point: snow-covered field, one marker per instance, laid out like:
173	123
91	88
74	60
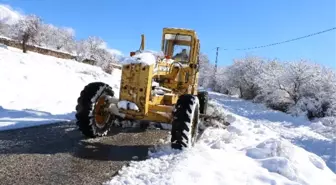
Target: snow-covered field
259	147
38	89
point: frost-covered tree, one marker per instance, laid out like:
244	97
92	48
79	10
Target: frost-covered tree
270	86
103	58
26	29
90	48
222	81
52	37
80	50
206	74
296	87
95	49
65	39
4	29
300	79
316	91
243	75
95	46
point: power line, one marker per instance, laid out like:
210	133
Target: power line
282	42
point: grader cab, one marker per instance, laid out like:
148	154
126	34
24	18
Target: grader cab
153	88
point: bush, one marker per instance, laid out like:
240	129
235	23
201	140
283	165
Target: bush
297	87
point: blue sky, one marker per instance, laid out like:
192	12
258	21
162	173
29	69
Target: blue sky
223	23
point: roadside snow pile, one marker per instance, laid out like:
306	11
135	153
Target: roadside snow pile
38	89
248	151
282	157
315	137
325	126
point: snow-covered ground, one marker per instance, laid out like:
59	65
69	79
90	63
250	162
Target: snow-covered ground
260	146
38	89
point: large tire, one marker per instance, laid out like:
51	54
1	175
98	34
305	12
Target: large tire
203	97
185	122
86	109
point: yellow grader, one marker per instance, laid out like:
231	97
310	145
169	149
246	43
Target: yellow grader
161	89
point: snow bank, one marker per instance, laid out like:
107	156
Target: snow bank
249	151
316	137
282	157
40	83
325	126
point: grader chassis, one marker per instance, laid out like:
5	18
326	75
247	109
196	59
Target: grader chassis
165	91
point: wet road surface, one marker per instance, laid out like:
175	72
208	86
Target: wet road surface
60	154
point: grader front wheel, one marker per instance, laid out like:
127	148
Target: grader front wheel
101	115
92	117
185	122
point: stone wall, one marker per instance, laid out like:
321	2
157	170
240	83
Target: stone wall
17	44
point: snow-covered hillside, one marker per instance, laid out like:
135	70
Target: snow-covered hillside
259	147
39	89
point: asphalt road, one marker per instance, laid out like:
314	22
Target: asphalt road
59	154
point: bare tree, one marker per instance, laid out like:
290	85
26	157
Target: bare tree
26	29
94	46
3	28
243	75
65	39
299	79
56	38
95	49
206	75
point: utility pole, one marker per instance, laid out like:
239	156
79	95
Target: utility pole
216	59
215	72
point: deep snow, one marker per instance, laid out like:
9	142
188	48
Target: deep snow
249	151
39	89
299	130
